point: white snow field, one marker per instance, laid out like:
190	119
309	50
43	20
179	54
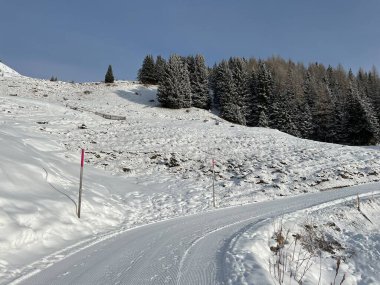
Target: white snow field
153	166
6	71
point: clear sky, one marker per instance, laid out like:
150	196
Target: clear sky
77	39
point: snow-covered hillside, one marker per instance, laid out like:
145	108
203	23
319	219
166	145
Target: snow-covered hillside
154	165
6	71
180	144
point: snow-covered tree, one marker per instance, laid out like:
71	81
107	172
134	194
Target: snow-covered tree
174	90
362	122
241	94
147	73
264	94
226	92
198	74
160	68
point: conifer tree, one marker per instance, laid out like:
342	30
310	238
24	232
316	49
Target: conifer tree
147	73
199	82
252	116
226	92
160	68
264	94
241	94
174	90
109	75
364	126
325	104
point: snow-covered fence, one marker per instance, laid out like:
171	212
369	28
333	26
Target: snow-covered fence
111	117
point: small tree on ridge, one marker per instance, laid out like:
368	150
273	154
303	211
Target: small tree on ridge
109	75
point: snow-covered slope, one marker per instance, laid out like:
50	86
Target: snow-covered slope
175	145
154	165
313	242
6	71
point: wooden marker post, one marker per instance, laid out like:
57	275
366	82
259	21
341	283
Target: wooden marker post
213	183
80	182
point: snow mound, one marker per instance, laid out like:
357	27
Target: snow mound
321	236
6	71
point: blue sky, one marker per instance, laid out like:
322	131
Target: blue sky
77	39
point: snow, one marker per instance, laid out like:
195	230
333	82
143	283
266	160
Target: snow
153	166
185	250
354	235
6	71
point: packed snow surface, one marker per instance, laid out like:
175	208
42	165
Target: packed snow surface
188	250
152	166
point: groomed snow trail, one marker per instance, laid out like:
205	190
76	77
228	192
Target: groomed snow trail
187	250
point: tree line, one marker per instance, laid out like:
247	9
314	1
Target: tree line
314	102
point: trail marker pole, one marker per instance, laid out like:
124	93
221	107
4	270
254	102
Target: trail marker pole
80	182
213	183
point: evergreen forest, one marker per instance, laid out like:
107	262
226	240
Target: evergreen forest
315	102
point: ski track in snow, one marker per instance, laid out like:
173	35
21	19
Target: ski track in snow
179	251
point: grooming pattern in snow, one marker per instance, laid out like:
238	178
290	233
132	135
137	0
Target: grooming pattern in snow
188	250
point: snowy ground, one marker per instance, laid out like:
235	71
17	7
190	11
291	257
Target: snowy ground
157	162
314	240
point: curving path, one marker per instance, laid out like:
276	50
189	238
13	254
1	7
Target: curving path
187	250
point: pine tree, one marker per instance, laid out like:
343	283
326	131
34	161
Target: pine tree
322	105
211	71
241	94
109	75
174	90
285	105
252	117
305	120
264	94
199	82
281	115
160	68
225	91
217	84
147	73
364	126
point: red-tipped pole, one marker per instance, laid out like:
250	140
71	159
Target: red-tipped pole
80	182
213	183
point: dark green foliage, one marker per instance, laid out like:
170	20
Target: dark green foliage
53	78
363	124
160	68
226	92
264	88
148	73
325	104
174	89
241	95
109	75
199	82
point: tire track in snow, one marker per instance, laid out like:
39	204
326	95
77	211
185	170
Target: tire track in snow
154	249
197	240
